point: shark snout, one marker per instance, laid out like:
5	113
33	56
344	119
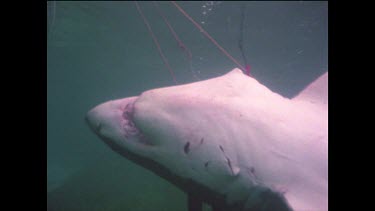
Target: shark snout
102	116
112	116
92	119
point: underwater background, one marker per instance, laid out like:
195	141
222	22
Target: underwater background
99	51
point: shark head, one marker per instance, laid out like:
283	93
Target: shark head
178	131
218	139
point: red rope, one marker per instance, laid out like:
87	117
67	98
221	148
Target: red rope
247	70
180	43
156	42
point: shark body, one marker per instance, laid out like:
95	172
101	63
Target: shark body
227	141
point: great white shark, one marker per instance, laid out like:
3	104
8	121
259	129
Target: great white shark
228	141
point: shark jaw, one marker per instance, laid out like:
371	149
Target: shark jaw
113	122
229	141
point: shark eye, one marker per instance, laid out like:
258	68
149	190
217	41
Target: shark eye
126	115
128	112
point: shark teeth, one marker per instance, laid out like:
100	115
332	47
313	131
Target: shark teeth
128	124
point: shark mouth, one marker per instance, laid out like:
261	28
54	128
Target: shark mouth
128	123
129	127
114	121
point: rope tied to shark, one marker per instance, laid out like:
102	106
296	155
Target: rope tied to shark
166	63
205	33
182	45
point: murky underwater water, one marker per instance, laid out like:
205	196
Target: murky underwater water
98	51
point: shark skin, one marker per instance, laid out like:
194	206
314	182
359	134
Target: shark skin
227	141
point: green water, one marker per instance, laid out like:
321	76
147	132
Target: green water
98	51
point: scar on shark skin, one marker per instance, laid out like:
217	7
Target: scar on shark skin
187	146
228	160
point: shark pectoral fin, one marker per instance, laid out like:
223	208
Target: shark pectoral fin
194	203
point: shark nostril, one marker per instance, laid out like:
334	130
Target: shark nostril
88	119
93	122
98	127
